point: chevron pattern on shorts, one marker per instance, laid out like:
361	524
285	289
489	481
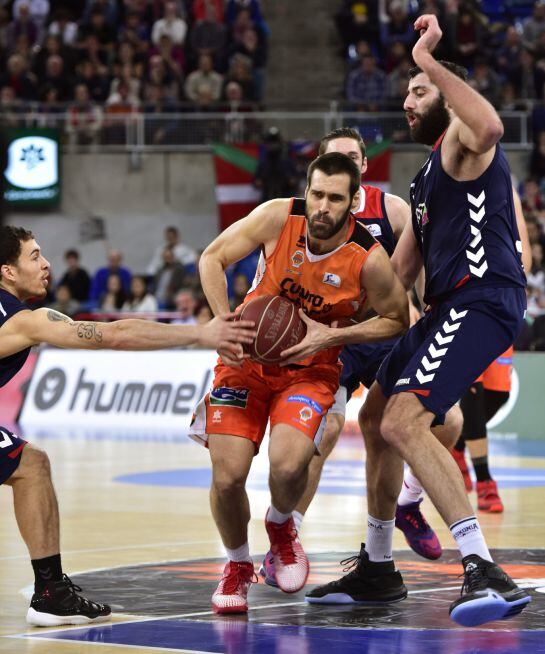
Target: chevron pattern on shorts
475	252
433	358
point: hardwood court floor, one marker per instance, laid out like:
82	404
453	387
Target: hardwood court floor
123	504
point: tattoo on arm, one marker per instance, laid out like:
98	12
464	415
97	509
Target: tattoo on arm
55	316
89	331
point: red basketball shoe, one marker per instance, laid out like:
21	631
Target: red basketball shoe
487	497
460	459
290	561
232	591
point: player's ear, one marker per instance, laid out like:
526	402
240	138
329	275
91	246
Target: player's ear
356	200
306	191
364	166
6	272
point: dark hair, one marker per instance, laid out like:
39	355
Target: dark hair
459	71
10	243
342	133
71	253
335	163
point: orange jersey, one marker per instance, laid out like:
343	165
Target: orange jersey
326	286
497	377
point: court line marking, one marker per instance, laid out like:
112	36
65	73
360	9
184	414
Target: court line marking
119	645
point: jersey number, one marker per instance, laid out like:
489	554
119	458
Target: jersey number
6	441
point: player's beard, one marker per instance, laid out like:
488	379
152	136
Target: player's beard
432	124
325	231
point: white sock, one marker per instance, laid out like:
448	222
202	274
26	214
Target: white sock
240	555
273	515
297	519
378	544
469	537
411	491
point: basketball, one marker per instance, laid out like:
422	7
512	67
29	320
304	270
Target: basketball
277	324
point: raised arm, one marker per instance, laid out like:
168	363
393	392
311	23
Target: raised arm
477	127
28	328
261	227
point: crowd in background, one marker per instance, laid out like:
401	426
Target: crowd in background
99	59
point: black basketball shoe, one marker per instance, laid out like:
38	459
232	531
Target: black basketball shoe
58	603
367	583
487	594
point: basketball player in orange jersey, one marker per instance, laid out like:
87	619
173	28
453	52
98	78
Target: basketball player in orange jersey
384	215
315	254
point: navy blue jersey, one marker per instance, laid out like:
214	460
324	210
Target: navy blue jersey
10	366
372	214
466	231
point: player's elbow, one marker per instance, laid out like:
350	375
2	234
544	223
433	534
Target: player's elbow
490	135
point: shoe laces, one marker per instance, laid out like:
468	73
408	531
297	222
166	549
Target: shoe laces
352	564
237	575
475	579
416	520
80	601
284	539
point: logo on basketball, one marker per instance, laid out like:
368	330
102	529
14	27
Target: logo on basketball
297	258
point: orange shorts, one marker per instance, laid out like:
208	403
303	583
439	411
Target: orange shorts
497	377
243	400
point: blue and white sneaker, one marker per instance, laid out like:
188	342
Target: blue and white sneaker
487	594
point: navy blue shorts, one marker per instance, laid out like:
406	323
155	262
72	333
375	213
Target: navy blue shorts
361	362
11	449
442	355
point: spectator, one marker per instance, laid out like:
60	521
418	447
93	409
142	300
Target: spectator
159	75
182	253
16	76
169	279
508	54
121	110
486	82
64	302
534	25
204	76
241	286
526	77
536	282
75	277
209	35
202	9
397	82
256	52
172	25
63	27
10	107
38	11
108	8
275	175
126	76
159	130
84	118
52	45
366	86
395	27
114	267
185	306
56	76
532	202
537	161
98	28
203	313
50	110
172	56
114	297
94	79
139	298
135	31
358	20
240	71
23	25
467	37
91	49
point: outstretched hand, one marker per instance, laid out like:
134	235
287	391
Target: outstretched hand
430	35
223	333
317	338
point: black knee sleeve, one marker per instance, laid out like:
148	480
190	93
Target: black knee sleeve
474	412
493	401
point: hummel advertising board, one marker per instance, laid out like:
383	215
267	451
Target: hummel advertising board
144	390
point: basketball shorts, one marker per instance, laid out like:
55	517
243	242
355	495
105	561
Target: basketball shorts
361	362
11	450
243	400
497	377
446	350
